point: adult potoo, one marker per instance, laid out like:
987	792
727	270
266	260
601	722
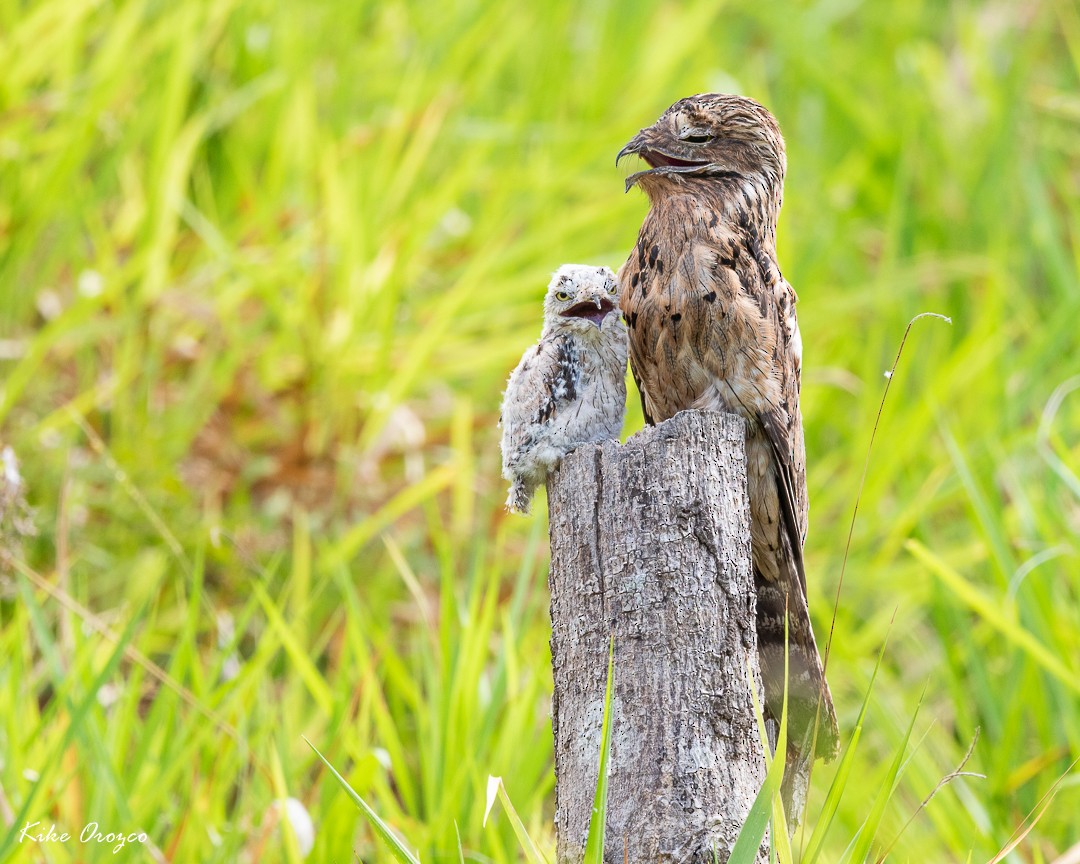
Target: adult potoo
712	325
570	388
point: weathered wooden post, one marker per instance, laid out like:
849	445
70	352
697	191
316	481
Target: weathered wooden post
650	544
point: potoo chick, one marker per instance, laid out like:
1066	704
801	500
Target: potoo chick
570	388
712	326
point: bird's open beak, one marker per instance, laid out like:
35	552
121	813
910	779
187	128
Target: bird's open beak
634	146
584	309
659	160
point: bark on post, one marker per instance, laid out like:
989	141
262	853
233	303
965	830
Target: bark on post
650	543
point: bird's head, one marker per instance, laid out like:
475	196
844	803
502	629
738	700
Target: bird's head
709	136
580	298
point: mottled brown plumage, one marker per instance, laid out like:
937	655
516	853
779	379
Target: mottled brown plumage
712	325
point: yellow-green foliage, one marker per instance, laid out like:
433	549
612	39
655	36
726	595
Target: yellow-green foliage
264	267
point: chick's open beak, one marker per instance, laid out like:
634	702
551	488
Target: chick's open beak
594	310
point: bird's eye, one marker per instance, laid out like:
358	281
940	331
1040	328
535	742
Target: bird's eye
698	138
612	288
562	296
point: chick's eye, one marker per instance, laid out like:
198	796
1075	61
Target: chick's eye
612	288
562	296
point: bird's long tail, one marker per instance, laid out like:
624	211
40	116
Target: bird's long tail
784	629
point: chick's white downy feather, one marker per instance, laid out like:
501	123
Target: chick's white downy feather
570	388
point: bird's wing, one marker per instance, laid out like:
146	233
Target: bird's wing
782	423
789	361
782	427
629	281
645	412
776	409
544	380
787	491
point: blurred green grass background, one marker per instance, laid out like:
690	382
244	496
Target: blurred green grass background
264	268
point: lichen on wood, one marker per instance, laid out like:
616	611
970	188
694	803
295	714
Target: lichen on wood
650	545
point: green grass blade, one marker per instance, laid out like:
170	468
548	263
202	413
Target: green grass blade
745	850
496	789
594	843
80	709
990	612
396	847
860	845
345	549
315	683
753	830
842	777
781	842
